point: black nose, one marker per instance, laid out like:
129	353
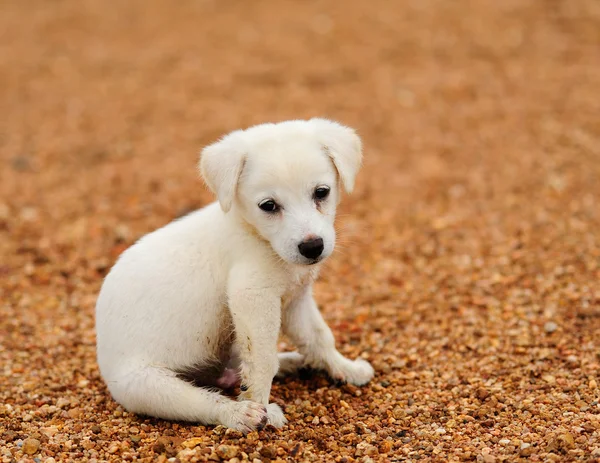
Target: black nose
311	249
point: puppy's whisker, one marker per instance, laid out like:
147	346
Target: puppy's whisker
341	252
346	242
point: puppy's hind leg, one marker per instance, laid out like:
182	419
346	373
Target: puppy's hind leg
159	392
290	363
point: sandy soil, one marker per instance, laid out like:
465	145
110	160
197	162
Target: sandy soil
470	253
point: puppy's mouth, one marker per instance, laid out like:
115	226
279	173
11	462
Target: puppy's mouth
314	261
302	261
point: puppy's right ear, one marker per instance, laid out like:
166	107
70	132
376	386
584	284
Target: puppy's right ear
221	165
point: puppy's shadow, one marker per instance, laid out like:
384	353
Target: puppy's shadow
310	378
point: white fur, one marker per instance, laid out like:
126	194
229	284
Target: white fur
216	286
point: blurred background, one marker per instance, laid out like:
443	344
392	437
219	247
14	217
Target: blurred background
471	239
115	102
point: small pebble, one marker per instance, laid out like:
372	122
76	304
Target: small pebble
482	393
550	379
269	451
550	327
62	402
50	431
30	446
227	451
526	452
74	412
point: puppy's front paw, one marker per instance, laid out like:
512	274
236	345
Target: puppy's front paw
246	416
289	363
361	373
275	415
358	372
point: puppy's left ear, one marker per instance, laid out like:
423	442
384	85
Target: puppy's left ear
344	147
221	165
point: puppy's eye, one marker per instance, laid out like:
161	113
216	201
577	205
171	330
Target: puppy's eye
268	205
321	192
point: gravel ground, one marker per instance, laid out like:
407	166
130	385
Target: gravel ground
469	260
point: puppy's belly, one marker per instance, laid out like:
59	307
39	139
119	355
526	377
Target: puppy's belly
211	367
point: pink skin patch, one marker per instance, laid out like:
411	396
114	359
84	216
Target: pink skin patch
229	379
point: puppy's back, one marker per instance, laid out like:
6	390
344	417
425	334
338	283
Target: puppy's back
171	283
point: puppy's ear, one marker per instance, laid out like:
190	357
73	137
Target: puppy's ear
221	165
344	147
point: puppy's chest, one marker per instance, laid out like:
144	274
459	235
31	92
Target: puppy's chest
296	287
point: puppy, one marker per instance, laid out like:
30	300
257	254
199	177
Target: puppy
199	303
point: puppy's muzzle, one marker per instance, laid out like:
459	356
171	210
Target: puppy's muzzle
311	248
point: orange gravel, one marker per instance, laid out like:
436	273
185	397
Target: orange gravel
469	261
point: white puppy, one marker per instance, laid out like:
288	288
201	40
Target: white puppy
200	302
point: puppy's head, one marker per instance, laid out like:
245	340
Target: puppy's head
283	179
